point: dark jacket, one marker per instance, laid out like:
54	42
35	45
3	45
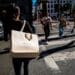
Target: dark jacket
17	25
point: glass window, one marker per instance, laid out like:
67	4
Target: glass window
64	1
48	11
55	1
51	1
51	5
61	1
70	1
51	11
48	6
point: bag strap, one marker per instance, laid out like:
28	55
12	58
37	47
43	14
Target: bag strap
23	26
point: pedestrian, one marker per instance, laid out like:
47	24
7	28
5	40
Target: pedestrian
62	24
50	21
45	24
5	18
74	25
16	24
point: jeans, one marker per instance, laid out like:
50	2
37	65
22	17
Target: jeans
61	30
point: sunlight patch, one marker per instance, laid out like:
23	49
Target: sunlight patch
51	63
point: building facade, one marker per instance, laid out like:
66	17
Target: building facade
52	6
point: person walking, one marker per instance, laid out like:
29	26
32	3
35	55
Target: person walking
45	24
62	24
16	24
6	16
72	31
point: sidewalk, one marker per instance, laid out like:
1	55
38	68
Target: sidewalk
55	28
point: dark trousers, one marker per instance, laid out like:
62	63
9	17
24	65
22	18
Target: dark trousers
7	32
47	32
61	30
17	63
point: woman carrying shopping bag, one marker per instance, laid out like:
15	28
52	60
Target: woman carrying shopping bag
17	24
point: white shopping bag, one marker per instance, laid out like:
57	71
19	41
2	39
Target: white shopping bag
24	45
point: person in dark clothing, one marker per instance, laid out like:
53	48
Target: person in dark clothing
7	15
72	31
16	24
5	25
45	23
4	22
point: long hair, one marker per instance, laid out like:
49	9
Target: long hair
16	13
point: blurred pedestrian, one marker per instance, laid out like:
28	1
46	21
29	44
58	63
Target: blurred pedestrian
7	15
50	21
45	23
74	24
62	24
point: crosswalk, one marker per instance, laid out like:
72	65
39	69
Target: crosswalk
61	63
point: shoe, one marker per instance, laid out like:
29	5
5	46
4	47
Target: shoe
72	30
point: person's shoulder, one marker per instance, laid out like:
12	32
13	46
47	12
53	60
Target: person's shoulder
19	21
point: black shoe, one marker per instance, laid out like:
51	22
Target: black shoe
72	30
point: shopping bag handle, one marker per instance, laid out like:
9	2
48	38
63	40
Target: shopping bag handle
23	26
28	38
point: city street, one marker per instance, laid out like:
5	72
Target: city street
57	57
54	55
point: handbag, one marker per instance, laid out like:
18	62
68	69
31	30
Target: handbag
24	45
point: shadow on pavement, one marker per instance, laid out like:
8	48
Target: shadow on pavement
57	38
53	50
1	39
4	51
